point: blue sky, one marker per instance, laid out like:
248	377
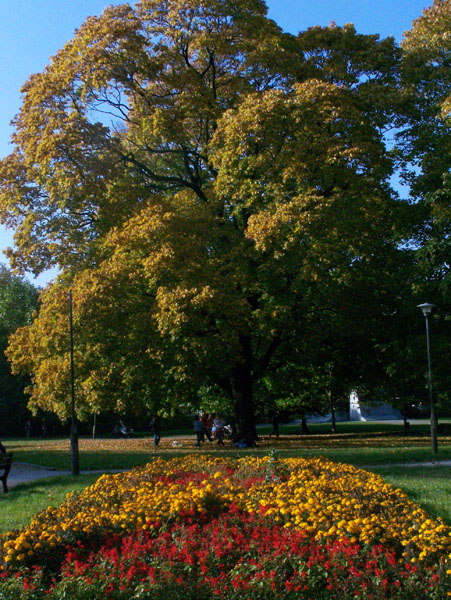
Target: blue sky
33	30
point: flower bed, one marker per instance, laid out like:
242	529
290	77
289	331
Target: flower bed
199	527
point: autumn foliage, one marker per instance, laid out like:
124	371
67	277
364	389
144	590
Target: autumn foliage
217	194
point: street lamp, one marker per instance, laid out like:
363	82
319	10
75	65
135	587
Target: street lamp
427	308
74	455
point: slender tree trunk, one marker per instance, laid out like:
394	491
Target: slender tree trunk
332	412
243	402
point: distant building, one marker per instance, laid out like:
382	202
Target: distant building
360	411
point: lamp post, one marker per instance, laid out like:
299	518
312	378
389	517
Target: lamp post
426	309
74	455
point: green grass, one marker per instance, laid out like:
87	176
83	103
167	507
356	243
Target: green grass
429	487
89	461
359	443
94	460
357	427
367	456
25	500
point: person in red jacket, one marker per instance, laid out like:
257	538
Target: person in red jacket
206	425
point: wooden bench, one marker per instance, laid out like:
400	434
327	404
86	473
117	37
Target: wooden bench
5	467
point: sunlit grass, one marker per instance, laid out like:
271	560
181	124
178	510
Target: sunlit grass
429	487
365	448
27	499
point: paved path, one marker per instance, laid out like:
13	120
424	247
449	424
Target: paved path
436	463
24	472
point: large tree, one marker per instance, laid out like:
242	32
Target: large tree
127	109
210	186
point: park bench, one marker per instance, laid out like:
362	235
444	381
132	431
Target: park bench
5	467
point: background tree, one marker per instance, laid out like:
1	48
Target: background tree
18	301
426	151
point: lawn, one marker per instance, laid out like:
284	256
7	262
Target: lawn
369	445
429	487
25	500
356	443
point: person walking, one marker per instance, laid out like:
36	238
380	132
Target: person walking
275	425
218	426
206	424
155	427
198	430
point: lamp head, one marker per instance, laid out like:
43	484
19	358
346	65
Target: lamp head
426	308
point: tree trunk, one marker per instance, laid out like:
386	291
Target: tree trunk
406	426
332	412
243	402
304	428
